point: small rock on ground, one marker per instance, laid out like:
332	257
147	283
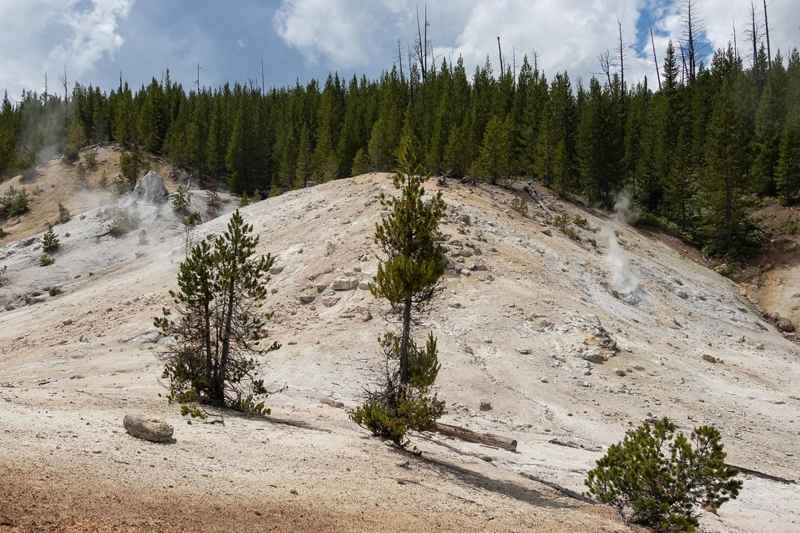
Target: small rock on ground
152	430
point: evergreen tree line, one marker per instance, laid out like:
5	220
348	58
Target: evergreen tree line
692	155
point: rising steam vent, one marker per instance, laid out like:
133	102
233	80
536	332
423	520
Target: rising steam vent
151	189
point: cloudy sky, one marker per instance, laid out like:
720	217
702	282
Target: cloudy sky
96	40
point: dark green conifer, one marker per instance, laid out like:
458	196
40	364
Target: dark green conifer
660	478
217	323
408	278
50	241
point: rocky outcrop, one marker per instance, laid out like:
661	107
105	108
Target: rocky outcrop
785	325
150	188
598	347
345	284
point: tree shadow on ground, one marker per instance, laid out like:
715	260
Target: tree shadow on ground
475	479
224	413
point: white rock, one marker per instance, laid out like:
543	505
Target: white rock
344	284
151	189
153	430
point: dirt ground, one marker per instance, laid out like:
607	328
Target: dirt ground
37	498
523	323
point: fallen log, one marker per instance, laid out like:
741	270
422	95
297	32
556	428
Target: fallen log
489	439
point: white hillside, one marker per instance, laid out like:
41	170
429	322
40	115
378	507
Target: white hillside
567	342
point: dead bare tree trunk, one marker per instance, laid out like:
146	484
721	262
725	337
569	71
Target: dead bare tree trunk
514	65
766	30
263	84
500	53
621	57
422	44
689	32
754	31
735	44
684	71
605	65
400	61
425	35
655	57
66	113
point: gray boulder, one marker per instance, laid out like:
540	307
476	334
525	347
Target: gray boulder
152	430
785	325
150	188
306	298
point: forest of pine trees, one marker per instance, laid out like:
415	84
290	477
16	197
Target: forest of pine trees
692	155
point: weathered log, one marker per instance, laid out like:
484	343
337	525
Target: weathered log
489	439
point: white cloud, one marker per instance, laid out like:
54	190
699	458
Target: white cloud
566	34
49	35
719	17
354	33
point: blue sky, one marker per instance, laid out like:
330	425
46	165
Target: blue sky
229	44
300	39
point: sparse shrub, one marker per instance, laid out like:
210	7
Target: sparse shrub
181	204
213	203
408	278
54	291
657	477
581	222
375	416
50	241
123	221
46	260
520	206
3	233
792	227
64	215
193	411
390	412
221	285
180	200
250	403
192	218
245	200
4	276
13	202
103	182
563	223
